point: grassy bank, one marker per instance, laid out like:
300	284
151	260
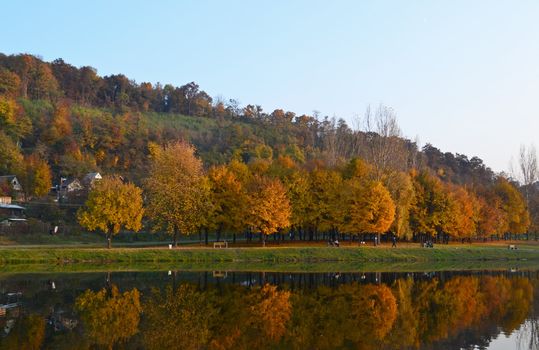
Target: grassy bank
451	253
288	267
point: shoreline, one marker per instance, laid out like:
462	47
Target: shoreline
274	254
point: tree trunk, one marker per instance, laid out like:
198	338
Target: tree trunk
109	240
263	236
218	233
206	236
175	237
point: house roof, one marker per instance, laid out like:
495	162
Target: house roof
11	206
70	181
7	177
91	176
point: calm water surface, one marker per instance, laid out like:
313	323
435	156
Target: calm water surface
242	310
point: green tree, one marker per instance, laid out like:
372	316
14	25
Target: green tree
178	191
111	206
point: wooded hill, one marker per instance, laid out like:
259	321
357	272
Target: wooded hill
60	120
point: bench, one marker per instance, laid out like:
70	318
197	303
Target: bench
511	247
220	244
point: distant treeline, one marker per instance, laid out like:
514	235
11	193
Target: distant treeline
60	120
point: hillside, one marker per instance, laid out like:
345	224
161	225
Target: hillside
58	120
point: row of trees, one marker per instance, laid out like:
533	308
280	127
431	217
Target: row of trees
59	120
279	196
405	314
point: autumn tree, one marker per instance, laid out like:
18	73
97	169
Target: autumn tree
458	216
13	120
298	191
427	210
11	158
269	207
367	207
513	205
178	191
111	206
36	178
229	201
9	83
492	219
109	316
401	189
324	208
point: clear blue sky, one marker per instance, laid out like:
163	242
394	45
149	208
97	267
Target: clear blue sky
462	75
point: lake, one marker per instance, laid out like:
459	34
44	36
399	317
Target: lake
270	310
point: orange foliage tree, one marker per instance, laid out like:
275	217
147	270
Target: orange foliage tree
269	206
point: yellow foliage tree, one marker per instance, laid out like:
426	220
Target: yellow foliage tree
298	191
400	186
426	212
368	207
11	159
178	191
324	212
111	206
37	177
513	205
229	201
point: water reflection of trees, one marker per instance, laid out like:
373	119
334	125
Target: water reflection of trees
431	313
109	316
406	314
27	334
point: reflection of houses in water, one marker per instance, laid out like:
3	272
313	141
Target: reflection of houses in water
62	320
11	216
10	309
10	212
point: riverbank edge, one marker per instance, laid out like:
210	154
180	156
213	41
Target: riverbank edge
69	255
